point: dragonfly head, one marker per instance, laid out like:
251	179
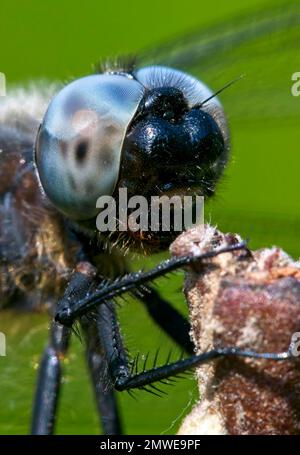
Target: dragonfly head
152	131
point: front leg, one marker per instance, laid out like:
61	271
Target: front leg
84	281
122	375
66	313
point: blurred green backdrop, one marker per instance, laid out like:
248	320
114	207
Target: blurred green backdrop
259	196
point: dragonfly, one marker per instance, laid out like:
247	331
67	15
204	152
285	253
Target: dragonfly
52	255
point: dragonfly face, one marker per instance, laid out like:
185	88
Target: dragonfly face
152	131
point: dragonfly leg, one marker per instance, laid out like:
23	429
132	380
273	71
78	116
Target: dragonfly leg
104	393
50	372
66	314
169	319
83	282
125	379
49	380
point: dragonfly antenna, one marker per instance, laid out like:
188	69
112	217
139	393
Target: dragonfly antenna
222	89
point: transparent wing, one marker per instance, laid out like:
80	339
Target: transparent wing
263	46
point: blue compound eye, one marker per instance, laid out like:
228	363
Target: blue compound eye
78	148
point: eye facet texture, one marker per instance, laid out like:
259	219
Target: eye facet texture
78	148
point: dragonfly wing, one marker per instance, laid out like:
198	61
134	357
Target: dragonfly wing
258	46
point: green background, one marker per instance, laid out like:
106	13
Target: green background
259	196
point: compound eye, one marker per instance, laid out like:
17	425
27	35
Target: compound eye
78	148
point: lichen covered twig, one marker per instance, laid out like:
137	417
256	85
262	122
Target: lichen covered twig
249	300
